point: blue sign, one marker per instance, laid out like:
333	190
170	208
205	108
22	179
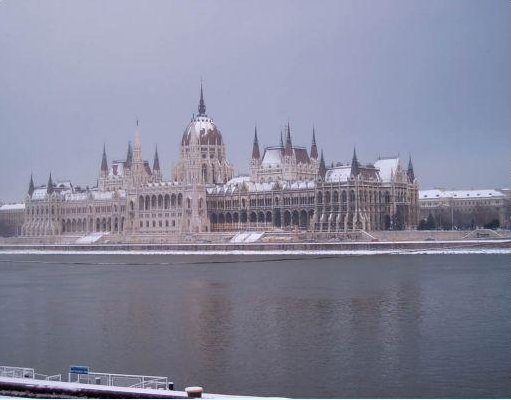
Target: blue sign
78	369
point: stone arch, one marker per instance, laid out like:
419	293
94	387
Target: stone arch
228	218
320	197
213	218
63	226
236	217
79	225
269	217
141	203
166	202
173	200
160	201
243	217
179	199
68	225
253	217
344	198
303	219
287	218
327	197
103	224
295	218
116	225
335	197
260	217
221	218
147	202
98	225
153	201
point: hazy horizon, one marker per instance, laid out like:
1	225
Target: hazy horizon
431	79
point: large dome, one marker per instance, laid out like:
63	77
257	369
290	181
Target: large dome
201	131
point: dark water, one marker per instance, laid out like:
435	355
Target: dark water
372	326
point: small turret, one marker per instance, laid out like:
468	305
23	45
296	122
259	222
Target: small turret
314	148
288	149
129	156
104	163
322	167
49	188
156	162
31	186
409	172
355	165
256	155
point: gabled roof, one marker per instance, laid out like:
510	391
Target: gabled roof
387	167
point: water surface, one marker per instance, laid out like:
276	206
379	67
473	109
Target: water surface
367	326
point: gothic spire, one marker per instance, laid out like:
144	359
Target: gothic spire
129	156
202	105
409	172
322	167
281	140
104	164
255	148
156	163
31	186
289	145
49	188
314	148
354	163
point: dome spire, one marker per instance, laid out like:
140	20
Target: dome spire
202	105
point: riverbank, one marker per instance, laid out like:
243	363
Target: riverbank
297	248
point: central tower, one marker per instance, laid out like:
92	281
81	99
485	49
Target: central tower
202	158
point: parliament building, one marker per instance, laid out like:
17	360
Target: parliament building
289	188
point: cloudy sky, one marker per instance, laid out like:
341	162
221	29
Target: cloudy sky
430	78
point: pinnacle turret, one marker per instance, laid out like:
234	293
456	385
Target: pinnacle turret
409	172
104	163
288	149
49	188
129	156
255	147
314	148
322	167
354	163
31	186
156	162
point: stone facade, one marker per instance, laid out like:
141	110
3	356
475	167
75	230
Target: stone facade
465	209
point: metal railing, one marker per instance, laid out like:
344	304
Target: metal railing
26	373
121	380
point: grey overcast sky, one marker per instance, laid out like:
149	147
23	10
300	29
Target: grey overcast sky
430	78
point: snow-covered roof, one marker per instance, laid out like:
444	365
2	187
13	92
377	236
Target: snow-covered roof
272	157
257	187
102	195
76	196
387	167
459	194
338	174
17	206
238	179
39	194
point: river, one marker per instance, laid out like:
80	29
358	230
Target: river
345	326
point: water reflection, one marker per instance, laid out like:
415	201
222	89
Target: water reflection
437	326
